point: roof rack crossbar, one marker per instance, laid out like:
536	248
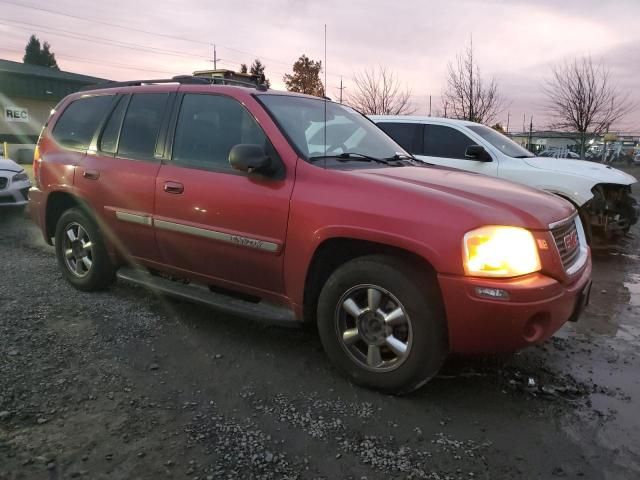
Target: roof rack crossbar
181	79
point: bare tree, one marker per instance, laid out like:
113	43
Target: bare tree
581	98
467	96
378	92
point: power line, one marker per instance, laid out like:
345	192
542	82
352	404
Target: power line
63	56
147	32
95	39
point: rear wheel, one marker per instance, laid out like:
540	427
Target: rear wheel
81	252
381	323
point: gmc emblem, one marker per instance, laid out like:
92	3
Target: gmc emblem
571	241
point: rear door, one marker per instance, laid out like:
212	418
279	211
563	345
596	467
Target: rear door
215	221
118	174
446	145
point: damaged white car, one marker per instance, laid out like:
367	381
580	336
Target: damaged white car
601	193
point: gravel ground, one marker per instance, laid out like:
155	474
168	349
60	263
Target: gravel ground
124	384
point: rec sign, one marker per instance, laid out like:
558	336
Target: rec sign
16	114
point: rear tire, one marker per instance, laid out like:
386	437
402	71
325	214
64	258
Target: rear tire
382	324
81	252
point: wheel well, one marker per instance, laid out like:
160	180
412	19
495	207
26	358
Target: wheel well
57	204
336	251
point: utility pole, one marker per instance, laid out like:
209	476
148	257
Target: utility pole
530	132
215	58
508	118
341	89
429	105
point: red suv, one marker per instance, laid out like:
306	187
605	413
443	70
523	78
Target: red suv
298	209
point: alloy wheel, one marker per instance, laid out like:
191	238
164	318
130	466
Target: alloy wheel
373	328
77	250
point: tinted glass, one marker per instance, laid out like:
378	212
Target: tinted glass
109	138
209	126
403	133
141	125
79	121
341	130
500	141
441	141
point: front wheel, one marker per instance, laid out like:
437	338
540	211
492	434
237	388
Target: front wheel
382	324
81	252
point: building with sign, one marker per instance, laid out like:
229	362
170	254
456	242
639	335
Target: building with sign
27	95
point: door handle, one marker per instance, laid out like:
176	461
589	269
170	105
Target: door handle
91	174
173	187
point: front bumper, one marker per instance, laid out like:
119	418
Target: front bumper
536	308
16	194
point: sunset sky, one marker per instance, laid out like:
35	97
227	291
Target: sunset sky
516	41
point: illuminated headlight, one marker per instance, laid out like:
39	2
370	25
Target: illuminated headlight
498	251
20	177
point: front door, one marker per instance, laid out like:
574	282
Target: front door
445	145
215	221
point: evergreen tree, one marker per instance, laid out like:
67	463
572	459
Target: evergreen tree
257	68
35	54
305	77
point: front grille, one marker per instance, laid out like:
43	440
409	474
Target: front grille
3	182
568	256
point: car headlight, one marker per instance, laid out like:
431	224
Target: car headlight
20	177
500	251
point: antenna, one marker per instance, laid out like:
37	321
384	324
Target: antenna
325	95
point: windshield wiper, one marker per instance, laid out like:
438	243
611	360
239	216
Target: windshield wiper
352	156
524	156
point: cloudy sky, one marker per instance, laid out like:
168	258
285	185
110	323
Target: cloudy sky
516	41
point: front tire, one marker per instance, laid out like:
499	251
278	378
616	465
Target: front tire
81	252
382	324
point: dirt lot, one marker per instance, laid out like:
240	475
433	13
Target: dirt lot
123	384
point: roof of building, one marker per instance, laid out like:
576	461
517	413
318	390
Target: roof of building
20	80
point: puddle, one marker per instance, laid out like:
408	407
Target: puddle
633	285
630	256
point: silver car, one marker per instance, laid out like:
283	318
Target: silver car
14	184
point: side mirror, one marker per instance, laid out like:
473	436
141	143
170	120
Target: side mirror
249	158
477	152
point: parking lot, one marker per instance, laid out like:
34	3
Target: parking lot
125	384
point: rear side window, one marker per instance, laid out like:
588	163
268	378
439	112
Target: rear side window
142	125
209	126
79	121
446	142
109	138
405	134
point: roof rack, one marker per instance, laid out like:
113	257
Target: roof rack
181	79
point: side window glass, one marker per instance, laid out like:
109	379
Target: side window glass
109	138
446	142
404	134
209	126
141	125
78	123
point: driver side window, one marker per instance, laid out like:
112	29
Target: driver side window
445	142
209	126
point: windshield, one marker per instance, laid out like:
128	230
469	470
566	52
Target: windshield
501	142
345	130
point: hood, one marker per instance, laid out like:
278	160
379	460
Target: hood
490	200
597	172
6	164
